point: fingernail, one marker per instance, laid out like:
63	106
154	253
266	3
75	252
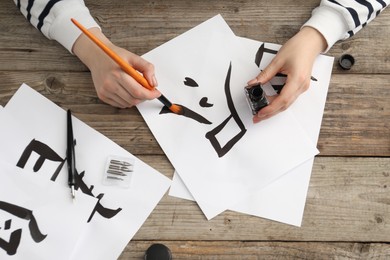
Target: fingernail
261	116
155	83
253	81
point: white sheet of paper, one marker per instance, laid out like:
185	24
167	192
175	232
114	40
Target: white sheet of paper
284	199
105	237
205	54
60	221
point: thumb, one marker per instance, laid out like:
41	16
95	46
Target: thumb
266	74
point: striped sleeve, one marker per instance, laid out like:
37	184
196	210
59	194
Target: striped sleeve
340	19
52	18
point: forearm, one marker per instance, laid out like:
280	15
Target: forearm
87	51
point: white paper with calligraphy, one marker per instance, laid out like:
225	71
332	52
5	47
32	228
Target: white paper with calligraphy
119	212
284	199
38	219
217	150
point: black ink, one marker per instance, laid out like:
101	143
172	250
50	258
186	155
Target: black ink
12	245
221	151
7	225
46	153
27	215
187	113
256	98
104	212
260	52
204	102
190	82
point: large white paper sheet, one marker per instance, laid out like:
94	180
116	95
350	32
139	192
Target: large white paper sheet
38	218
284	199
120	212
207	55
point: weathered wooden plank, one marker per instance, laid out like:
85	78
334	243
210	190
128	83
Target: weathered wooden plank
356	120
147	24
348	207
348	200
227	250
357	115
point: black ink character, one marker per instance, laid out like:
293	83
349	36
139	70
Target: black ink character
204	102
12	245
221	151
190	82
104	212
46	153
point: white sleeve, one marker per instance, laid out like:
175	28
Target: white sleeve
52	18
340	19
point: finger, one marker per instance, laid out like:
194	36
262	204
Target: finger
150	76
113	103
116	95
136	90
146	68
277	104
267	74
267	112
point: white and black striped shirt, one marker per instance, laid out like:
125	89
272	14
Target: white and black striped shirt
52	18
341	19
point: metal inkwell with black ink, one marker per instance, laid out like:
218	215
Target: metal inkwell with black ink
256	97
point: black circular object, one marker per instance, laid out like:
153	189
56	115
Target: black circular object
346	61
158	252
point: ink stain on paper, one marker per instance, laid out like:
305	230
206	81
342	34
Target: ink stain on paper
190	82
204	102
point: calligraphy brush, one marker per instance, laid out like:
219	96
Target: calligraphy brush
127	68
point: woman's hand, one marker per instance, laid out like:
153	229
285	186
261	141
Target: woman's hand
295	59
114	86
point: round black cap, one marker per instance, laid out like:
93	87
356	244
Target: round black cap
346	61
158	252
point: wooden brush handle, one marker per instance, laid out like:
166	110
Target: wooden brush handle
123	64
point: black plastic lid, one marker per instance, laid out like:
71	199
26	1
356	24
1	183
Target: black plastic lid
158	252
346	61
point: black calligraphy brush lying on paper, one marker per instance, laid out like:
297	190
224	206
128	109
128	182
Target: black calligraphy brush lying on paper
177	109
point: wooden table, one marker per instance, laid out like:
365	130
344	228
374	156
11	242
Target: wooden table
347	214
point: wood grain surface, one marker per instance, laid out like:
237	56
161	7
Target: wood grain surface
347	213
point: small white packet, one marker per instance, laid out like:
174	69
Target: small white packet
118	171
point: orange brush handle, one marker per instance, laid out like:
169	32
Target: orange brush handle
123	64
